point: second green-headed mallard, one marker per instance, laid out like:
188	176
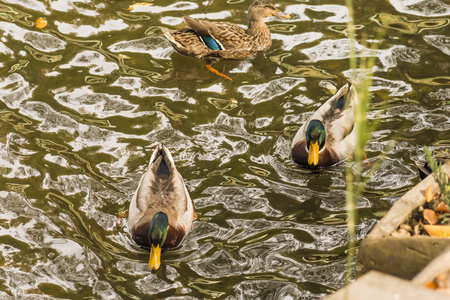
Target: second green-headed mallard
327	137
161	212
222	40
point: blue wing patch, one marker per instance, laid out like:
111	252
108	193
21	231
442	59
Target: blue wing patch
210	43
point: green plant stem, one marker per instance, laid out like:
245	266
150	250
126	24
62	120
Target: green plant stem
354	179
350	201
439	175
351	225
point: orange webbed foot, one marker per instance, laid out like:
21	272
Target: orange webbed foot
217	72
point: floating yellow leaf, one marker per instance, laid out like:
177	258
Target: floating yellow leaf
41	23
429	194
140	4
123	214
430	216
437	230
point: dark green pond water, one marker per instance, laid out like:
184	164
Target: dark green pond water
85	100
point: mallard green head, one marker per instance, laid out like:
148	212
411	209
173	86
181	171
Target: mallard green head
315	140
265	8
157	234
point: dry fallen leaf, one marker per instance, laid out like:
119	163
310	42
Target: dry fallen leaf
431	285
406	227
437	230
430	216
442	208
41	23
401	233
441	277
429	194
417	229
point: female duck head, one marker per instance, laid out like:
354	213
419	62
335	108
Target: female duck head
315	140
261	9
157	234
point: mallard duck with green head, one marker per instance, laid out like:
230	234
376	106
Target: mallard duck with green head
161	212
222	40
328	136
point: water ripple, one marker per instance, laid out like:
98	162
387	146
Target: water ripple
270	90
157	47
85	100
267	289
93	60
101	105
237	200
88	30
41	41
30	4
333	13
441	42
427	8
14	89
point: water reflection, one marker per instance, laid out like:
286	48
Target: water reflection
84	100
432	8
405	26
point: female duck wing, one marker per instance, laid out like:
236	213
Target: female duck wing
220	35
185	41
203	29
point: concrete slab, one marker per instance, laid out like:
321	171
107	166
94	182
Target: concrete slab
378	286
401	256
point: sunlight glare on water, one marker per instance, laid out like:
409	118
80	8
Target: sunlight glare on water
85	100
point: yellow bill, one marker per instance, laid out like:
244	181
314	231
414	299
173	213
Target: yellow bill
313	157
155	257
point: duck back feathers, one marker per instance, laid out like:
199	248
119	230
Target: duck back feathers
161	188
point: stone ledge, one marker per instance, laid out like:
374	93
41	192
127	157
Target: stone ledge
376	286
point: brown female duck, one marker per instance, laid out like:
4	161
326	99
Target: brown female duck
221	40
